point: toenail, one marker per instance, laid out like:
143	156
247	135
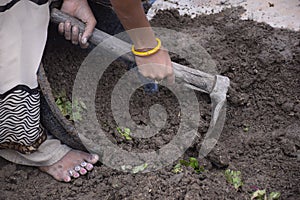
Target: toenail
83	164
83	171
70	172
77	168
89	166
67	179
76	175
94	157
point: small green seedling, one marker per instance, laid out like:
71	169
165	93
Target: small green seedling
65	107
262	195
246	128
274	195
193	163
259	195
139	168
234	178
177	168
125	132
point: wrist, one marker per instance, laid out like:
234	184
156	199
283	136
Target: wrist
143	52
145	45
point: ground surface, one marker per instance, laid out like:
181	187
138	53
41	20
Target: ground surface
263	62
277	13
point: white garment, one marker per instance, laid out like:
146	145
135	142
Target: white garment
23	34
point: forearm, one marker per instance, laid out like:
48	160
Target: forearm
132	17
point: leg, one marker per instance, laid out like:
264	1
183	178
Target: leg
23	34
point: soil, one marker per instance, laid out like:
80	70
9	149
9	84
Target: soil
261	137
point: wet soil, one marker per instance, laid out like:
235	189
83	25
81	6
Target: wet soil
261	137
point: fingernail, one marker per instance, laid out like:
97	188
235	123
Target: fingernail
84	40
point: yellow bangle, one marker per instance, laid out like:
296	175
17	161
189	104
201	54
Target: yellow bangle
147	53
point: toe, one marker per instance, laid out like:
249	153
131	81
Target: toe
73	173
67	178
82	171
92	158
76	175
89	166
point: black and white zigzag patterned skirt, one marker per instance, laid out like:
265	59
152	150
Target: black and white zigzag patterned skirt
20	127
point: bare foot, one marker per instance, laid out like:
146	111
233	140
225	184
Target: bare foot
73	164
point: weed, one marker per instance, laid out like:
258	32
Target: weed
125	132
193	163
274	195
139	168
65	107
177	168
246	127
262	195
234	178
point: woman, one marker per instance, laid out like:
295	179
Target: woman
23	33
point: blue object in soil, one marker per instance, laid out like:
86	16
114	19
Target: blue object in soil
150	87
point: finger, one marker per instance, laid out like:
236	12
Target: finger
89	28
67	30
75	35
84	46
61	28
171	79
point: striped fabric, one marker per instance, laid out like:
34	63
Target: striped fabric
20	119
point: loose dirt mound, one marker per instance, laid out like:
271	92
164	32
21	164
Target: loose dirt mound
260	138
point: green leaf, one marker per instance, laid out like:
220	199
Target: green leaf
194	163
125	133
234	178
58	101
119	130
185	163
259	195
65	106
139	168
127	137
274	195
76	116
177	168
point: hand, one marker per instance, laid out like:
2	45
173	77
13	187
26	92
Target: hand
81	10
157	66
